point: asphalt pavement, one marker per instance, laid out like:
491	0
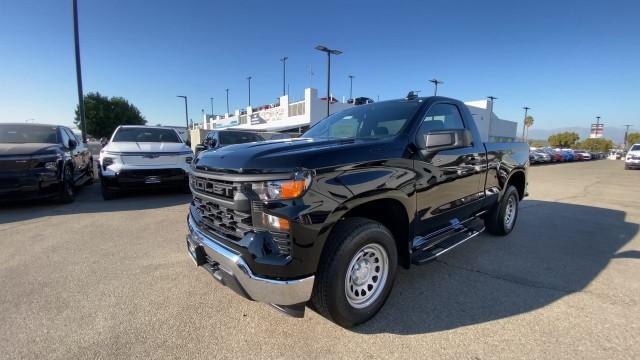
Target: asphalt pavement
97	279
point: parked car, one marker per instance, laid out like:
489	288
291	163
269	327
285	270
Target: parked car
328	217
216	139
583	155
536	157
568	155
39	161
543	156
144	157
632	160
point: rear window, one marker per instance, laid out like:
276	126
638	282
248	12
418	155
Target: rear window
146	135
23	134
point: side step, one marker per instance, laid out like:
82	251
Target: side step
424	255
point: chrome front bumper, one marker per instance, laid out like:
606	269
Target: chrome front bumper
230	269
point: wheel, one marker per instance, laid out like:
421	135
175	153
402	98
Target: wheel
107	194
502	217
67	191
356	272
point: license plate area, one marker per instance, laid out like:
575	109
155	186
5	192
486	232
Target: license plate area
152	180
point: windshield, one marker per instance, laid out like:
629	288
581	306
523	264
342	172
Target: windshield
377	120
635	148
146	135
230	138
21	134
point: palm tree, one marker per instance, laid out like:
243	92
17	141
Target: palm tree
528	122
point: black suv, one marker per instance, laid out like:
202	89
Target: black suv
218	138
42	161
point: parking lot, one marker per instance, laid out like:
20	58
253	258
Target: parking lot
98	279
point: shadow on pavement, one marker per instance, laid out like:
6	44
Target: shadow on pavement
556	249
89	200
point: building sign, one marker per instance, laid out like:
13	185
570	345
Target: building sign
596	131
257	119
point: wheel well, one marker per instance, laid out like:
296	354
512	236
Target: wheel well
392	214
518	181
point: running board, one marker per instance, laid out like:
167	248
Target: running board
425	255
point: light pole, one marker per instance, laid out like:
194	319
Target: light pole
524	121
351	87
249	79
227	90
284	74
435	82
626	133
492	98
186	111
329	52
211	106
76	37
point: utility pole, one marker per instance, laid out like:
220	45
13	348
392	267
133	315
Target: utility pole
186	110
626	133
524	122
284	74
329	52
227	90
435	83
249	79
351	86
76	37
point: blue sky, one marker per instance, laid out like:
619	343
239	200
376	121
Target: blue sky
568	60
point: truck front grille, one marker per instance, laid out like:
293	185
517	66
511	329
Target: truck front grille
223	221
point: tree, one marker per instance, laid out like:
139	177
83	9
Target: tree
563	139
538	143
528	122
633	138
103	114
601	145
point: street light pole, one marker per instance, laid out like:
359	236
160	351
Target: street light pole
227	90
492	98
435	83
351	86
626	133
211	106
284	74
524	122
76	38
186	109
249	79
329	52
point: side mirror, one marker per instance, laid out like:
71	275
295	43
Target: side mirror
200	148
447	139
188	143
213	143
72	144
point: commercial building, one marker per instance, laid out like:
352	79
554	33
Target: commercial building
297	116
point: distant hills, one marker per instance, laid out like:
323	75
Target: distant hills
613	133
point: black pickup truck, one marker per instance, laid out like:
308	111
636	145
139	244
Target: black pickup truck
327	218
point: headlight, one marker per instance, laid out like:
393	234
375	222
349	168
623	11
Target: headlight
51	165
107	161
188	159
283	189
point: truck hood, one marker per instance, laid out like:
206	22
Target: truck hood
146	147
291	154
28	149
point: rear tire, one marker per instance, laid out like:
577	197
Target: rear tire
356	272
501	219
90	173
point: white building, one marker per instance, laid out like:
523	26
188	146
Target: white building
490	126
294	115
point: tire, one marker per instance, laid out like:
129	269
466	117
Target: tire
67	190
90	174
107	194
502	217
354	244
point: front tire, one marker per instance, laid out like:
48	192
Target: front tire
67	190
107	194
501	219
356	273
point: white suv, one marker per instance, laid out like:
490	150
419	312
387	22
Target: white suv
632	160
144	156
